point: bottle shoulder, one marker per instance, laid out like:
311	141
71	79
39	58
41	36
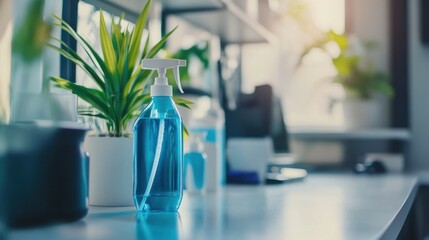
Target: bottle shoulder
160	107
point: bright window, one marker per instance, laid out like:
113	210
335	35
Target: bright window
306	91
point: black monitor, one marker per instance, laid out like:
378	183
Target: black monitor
258	115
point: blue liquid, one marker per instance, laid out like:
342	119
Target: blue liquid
195	162
166	191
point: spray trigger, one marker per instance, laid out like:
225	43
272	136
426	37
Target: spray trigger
160	86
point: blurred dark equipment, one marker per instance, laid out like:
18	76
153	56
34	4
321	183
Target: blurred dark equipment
424	21
372	167
44	174
258	115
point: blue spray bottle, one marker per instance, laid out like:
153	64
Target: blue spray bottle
158	144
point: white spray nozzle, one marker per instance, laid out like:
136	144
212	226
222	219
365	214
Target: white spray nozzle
161	87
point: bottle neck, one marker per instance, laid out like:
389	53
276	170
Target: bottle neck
163	104
161	90
163	100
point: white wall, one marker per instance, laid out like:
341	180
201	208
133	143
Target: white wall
369	21
419	88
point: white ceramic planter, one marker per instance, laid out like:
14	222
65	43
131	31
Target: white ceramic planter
110	171
361	114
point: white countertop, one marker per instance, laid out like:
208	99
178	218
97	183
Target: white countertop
323	206
311	133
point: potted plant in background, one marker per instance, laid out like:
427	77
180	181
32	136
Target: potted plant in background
117	99
367	90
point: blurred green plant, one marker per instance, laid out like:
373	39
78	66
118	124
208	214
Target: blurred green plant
120	81
355	73
28	43
32	34
199	51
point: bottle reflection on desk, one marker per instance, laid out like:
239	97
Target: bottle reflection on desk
159	226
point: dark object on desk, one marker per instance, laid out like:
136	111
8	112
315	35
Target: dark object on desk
242	177
45	174
372	167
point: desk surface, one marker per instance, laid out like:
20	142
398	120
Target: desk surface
320	207
401	134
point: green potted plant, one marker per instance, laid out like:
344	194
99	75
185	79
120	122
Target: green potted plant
117	98
366	89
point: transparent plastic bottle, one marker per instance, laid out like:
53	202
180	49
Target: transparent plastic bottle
158	145
158	135
212	124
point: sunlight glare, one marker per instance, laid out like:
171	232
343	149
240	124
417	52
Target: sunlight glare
329	14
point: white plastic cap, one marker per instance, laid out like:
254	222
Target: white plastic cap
160	86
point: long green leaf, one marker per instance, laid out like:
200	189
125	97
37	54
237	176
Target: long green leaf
111	62
93	55
185	129
183	102
98	115
131	80
116	38
92	96
125	75
138	103
127	102
146	47
123	62
155	49
75	58
139	83
106	46
137	36
83	43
